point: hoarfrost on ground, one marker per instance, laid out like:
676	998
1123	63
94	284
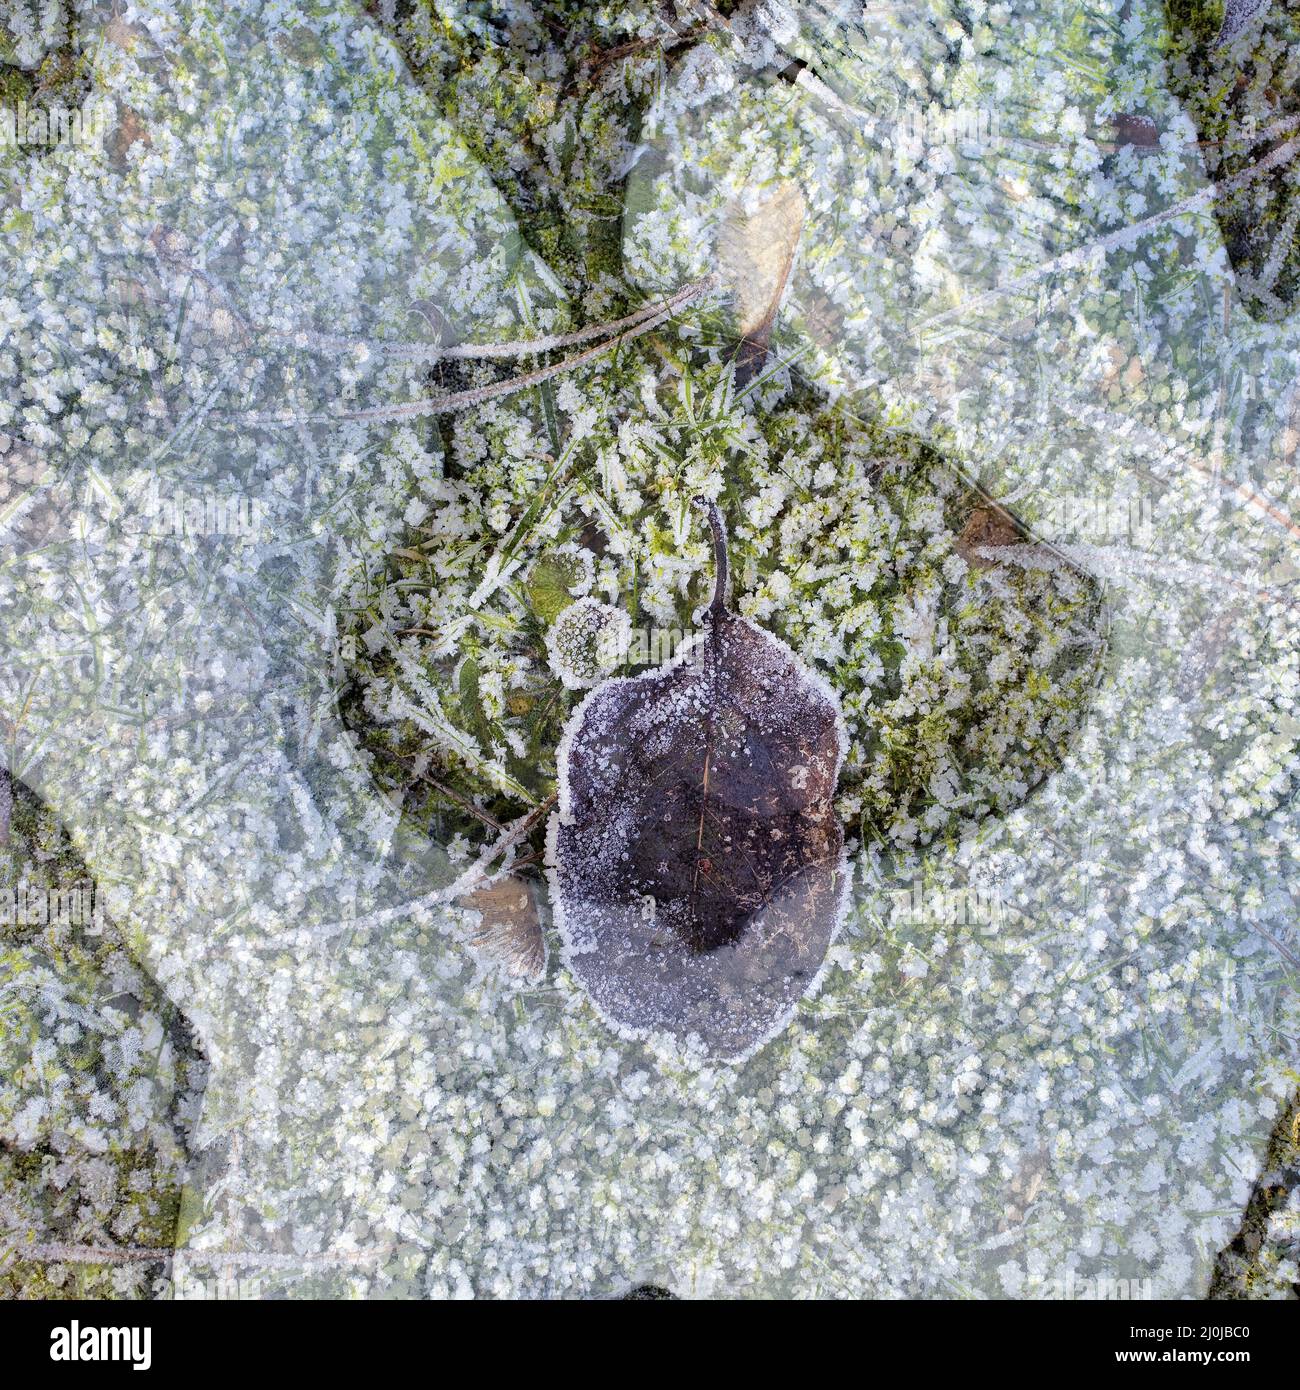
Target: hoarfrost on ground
1076	1084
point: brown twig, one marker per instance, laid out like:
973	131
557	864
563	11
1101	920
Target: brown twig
462	801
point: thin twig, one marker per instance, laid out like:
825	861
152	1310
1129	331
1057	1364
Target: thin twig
93	1254
524	347
462	801
474	877
478	871
464	400
1285	950
109	1254
1078	258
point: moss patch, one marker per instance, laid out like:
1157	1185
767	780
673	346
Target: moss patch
1237	93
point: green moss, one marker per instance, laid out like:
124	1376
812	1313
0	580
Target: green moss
1231	102
15	88
1025	656
82	1181
550	144
61	83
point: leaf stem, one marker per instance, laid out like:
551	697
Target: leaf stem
721	568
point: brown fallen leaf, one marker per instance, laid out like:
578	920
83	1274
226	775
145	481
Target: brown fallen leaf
510	930
755	256
696	856
1138	131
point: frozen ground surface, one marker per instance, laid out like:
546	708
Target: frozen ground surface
1079	1084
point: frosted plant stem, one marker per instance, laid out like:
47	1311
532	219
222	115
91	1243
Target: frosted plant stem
478	871
112	1255
1285	951
1273	266
464	400
1256	502
1114	562
478	874
1079	257
525	347
96	1254
721	564
462	801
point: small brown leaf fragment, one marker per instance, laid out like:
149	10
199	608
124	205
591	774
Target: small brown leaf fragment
1025	1187
1138	131
823	320
125	35
696	856
989	526
130	130
510	931
755	256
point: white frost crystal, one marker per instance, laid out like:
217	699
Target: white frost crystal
31	29
1067	1083
587	641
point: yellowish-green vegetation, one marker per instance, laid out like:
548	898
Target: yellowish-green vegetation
101	1082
